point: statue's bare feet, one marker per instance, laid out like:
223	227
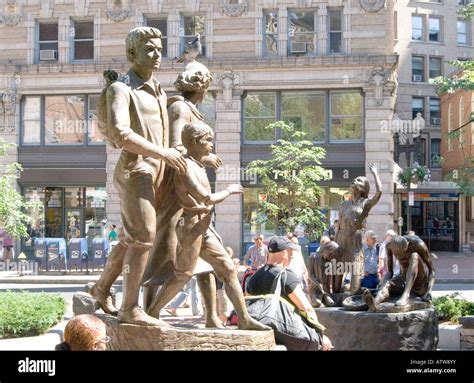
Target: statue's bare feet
137	316
214	322
369	300
252	324
104	298
328	301
403	301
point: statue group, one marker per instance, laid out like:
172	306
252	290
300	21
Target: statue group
165	195
166	203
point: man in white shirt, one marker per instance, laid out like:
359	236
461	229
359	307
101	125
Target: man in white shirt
257	254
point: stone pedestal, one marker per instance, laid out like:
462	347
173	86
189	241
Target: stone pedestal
132	337
353	330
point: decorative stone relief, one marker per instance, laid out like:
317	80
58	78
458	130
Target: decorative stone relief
155	6
234	8
302	3
12	13
270	4
193	5
117	11
380	77
227	81
82	7
372	6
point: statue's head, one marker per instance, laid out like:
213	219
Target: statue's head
143	47
195	78
361	185
328	250
398	244
198	137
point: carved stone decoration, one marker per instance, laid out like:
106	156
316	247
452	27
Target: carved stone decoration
193	5
7	112
379	77
8	100
302	3
82	7
234	8
227	82
155	6
117	11
12	13
372	6
270	4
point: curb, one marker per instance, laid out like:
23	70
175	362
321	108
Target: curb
52	281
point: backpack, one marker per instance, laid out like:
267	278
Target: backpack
110	77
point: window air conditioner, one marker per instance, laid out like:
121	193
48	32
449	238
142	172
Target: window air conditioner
417	78
436	120
48	55
298	47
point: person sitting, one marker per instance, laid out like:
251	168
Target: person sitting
261	283
84	333
371	254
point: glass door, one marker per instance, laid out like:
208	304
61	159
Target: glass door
73	224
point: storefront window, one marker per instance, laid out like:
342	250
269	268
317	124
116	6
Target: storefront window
252	196
73	197
36	228
94	134
94	213
31	120
259	112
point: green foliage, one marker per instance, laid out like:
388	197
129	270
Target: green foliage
414	174
290	180
451	307
29	314
12	204
450	84
467	11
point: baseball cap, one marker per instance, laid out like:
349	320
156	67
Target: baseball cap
278	244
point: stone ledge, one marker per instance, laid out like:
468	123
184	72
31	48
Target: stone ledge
132	337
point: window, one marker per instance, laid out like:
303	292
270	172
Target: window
83	34
251	226
47	42
270	39
302	33
462	32
418	68
335	31
259	111
434	29
435	153
435	111
450	125
435	67
461	122
417	28
94	134
191	26
417	107
306	112
60	120
161	23
463	2
31	120
36	229
208	110
346	116
64	120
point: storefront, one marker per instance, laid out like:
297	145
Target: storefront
65	212
435	217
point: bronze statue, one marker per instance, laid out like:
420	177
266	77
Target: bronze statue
320	278
413	256
193	84
137	123
196	236
351	226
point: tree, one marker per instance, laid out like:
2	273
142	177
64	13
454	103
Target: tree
290	181
12	204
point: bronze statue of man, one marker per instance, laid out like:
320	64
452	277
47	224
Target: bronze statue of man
195	234
413	256
353	214
137	123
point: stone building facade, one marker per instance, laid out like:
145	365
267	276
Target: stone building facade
268	58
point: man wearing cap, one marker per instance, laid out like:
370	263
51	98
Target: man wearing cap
280	251
371	261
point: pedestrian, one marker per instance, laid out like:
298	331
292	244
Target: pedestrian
371	262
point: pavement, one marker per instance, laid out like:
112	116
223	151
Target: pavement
450	267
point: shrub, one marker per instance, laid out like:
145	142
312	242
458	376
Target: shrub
450	307
29	314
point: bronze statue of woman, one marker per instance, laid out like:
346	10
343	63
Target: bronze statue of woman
352	217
